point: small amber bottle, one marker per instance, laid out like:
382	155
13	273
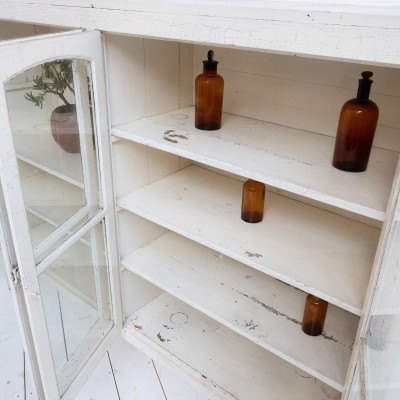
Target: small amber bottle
253	201
356	129
209	93
314	315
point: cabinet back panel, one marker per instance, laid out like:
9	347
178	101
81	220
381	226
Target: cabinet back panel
302	93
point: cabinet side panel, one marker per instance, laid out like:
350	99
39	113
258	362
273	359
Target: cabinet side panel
125	77
136	292
135	232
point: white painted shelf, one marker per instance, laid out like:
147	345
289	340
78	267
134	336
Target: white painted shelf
306	247
38	148
203	348
262	309
285	158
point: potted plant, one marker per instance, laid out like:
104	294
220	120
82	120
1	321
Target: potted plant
57	79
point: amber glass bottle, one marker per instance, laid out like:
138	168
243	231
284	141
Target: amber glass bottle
356	129
209	94
314	315
253	201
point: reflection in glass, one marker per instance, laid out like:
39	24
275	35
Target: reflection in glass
381	350
51	121
60	185
76	301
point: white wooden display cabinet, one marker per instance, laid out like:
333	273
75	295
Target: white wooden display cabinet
146	240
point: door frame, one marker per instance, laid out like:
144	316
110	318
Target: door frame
20	55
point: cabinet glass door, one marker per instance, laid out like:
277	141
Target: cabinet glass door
379	360
56	180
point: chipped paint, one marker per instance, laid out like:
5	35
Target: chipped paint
178	136
251	325
281	314
170	140
269	308
161	338
169	135
302	376
327	337
249	254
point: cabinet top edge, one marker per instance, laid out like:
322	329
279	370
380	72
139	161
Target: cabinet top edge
361	31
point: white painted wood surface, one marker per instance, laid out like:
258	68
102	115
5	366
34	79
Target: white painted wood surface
259	308
302	93
31	52
306	247
284	158
367	31
205	349
15	379
351	31
123	374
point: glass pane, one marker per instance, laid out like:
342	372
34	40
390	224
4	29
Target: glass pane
52	126
381	348
76	301
51	121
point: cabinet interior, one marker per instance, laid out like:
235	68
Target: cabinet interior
219	298
182	243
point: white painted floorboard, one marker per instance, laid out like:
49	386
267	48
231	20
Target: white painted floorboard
14	377
123	374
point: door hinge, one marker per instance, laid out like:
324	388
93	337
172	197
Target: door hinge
15	275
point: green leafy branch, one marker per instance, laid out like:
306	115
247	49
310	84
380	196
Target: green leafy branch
57	78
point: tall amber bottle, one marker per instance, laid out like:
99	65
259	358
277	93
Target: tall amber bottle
253	201
209	93
314	315
356	129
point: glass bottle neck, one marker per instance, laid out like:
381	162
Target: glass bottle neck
207	71
364	89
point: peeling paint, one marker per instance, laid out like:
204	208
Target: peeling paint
162	339
169	134
178	136
281	314
249	254
325	336
269	308
302	376
329	392
251	325
170	140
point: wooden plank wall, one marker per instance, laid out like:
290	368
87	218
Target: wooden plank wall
304	93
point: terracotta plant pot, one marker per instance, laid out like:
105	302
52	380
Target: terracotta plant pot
64	128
